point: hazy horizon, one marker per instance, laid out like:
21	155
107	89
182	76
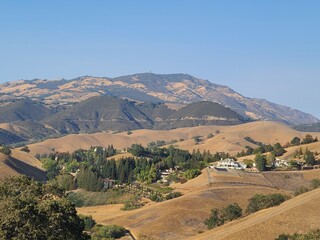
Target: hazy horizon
266	49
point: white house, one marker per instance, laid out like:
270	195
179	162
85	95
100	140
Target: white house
229	163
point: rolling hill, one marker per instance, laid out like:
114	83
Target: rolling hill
270	223
21	163
183	217
224	138
32	121
168	88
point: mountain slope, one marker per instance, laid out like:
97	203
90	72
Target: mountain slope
171	88
270	223
23	110
200	114
21	163
100	113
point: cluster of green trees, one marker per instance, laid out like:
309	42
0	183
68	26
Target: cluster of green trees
100	232
312	235
232	212
32	210
260	201
6	150
276	149
306	140
92	166
219	216
307	155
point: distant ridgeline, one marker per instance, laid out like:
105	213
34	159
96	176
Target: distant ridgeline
38	109
315	127
149	87
30	120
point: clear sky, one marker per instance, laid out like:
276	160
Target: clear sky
261	48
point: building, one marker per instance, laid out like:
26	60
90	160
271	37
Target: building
229	163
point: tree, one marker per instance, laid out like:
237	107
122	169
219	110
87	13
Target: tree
32	210
309	157
51	167
215	219
232	212
261	162
295	141
278	150
259	202
6	150
66	182
270	159
308	139
88	221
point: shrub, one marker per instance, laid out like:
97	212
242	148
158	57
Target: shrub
131	204
219	217
259	201
111	231
192	173
232	212
88	222
5	150
215	219
315	183
25	149
173	195
210	135
301	190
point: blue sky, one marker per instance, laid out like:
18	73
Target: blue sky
266	49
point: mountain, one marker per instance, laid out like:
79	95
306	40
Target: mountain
107	114
166	88
100	113
23	110
200	114
314	127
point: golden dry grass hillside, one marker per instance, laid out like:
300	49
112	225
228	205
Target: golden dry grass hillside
21	163
184	217
225	138
297	215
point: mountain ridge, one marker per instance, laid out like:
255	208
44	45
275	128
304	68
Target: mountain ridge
150	87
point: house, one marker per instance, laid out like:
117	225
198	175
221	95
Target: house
280	163
229	163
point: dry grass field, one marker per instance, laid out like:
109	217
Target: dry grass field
229	139
20	163
183	217
297	215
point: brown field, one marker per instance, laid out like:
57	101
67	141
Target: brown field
183	217
230	139
297	215
20	163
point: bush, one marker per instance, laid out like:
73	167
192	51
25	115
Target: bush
315	183
191	173
210	135
132	204
312	235
66	182
103	232
5	150
232	212
219	217
88	222
173	195
301	190
259	201
215	219
25	149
